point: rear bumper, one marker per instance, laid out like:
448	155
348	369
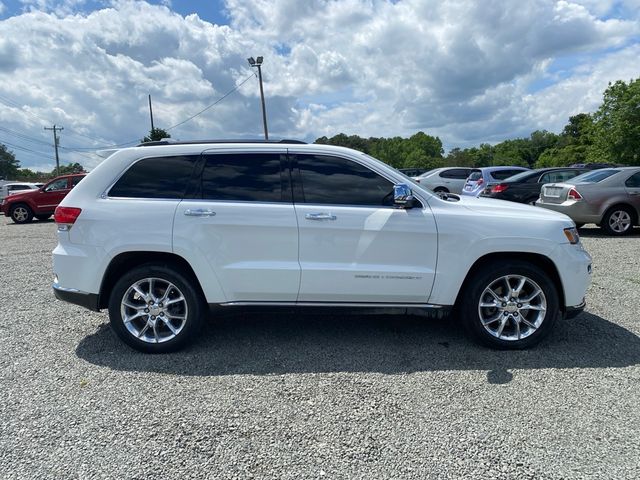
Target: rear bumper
578	211
77	297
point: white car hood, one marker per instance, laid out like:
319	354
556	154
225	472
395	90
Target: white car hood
494	207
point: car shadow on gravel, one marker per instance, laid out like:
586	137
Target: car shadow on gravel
274	344
596	232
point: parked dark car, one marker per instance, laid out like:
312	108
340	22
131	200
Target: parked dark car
525	187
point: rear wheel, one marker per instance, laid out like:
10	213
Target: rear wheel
618	220
441	189
511	307
156	308
21	213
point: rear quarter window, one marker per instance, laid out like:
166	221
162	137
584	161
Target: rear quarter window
158	177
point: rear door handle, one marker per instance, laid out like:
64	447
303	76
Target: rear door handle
320	216
199	212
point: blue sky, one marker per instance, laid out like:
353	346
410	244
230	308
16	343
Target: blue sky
468	71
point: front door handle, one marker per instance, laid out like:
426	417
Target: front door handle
320	216
199	212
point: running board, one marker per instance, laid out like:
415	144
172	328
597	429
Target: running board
332	304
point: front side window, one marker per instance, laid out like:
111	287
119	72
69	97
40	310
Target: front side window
337	181
159	177
60	184
246	177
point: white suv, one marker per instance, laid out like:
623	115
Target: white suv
158	233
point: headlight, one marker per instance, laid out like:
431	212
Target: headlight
572	235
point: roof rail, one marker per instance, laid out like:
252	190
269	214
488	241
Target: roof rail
193	142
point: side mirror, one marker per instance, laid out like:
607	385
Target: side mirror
402	196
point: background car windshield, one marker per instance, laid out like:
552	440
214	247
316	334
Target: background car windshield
475	175
595	176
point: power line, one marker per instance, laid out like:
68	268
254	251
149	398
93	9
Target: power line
214	103
13	104
35	152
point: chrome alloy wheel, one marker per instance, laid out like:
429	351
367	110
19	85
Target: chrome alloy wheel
620	221
154	310
512	307
20	214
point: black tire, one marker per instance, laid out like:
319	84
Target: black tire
621	213
192	307
532	201
42	218
21	213
441	189
471	311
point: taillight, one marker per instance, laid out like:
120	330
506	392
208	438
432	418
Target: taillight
574	195
66	215
501	187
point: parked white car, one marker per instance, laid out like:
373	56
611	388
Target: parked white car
16	187
447	179
157	233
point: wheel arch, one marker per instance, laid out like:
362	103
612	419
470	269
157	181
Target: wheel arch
126	261
536	259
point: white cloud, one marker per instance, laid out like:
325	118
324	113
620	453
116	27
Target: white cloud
463	70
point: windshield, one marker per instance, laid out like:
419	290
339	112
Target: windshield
594	176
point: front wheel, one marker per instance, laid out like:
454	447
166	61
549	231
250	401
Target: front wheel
510	307
156	308
21	213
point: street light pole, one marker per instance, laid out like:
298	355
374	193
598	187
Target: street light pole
258	64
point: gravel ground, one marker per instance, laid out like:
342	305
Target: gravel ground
268	395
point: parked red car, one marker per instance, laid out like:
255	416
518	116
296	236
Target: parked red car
41	203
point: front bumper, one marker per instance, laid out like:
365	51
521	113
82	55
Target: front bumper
573	312
77	297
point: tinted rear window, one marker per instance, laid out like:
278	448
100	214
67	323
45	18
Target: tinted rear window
245	177
161	177
594	176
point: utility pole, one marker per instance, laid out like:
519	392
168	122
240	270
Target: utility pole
151	114
258	64
56	140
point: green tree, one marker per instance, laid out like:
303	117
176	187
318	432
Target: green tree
572	146
458	158
617	125
8	164
155	135
69	169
